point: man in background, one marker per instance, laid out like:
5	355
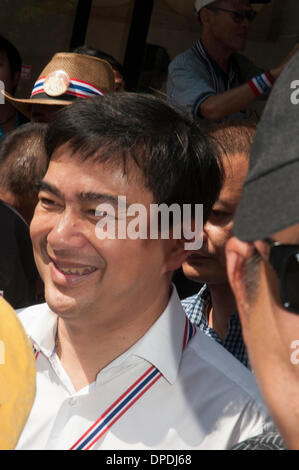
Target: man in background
23	163
118	70
10	72
66	78
212	79
214	308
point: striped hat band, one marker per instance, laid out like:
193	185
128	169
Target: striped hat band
68	91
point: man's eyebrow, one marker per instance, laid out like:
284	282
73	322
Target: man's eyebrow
50	188
90	196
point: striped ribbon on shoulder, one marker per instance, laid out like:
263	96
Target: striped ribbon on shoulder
126	400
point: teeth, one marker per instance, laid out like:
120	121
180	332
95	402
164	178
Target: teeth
77	271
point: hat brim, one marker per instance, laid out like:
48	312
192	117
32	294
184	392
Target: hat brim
268	204
25	105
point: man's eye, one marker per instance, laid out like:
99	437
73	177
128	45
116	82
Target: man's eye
100	214
47	202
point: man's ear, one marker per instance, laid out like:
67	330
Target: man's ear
176	254
237	254
205	16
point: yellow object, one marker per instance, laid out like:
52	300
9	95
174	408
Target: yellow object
17	377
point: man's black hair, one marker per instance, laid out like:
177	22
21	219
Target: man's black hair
176	160
12	53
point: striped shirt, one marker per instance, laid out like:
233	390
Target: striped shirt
197	308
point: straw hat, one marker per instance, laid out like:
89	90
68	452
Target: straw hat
65	78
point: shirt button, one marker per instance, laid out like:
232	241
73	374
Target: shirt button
73	401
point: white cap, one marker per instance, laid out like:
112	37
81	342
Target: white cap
199	4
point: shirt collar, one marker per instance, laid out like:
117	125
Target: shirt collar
161	346
41	328
204	297
218	70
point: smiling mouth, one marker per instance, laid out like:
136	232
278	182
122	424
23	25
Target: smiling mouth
67	274
77	271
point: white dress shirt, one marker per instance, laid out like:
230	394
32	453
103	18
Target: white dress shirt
205	399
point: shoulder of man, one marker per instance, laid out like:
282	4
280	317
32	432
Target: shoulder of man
223	365
186	58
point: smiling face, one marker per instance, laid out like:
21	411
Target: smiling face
209	264
84	275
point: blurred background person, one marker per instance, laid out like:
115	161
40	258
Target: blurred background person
118	71
213	307
212	79
66	78
23	163
10	72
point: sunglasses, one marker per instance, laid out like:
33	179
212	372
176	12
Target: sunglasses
239	15
285	261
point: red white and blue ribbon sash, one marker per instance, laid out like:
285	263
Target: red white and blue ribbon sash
117	409
126	400
120	406
76	88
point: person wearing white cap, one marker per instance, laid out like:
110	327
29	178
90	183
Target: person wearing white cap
212	79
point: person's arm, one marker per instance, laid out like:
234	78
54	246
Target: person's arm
217	107
232	101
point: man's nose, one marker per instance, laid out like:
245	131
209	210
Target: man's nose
67	232
205	233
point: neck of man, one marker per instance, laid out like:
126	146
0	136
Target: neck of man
223	306
219	52
85	347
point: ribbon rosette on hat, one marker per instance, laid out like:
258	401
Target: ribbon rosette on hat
56	83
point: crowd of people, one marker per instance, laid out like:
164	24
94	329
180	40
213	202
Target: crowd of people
123	361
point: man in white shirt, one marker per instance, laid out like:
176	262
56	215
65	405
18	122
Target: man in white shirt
119	365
